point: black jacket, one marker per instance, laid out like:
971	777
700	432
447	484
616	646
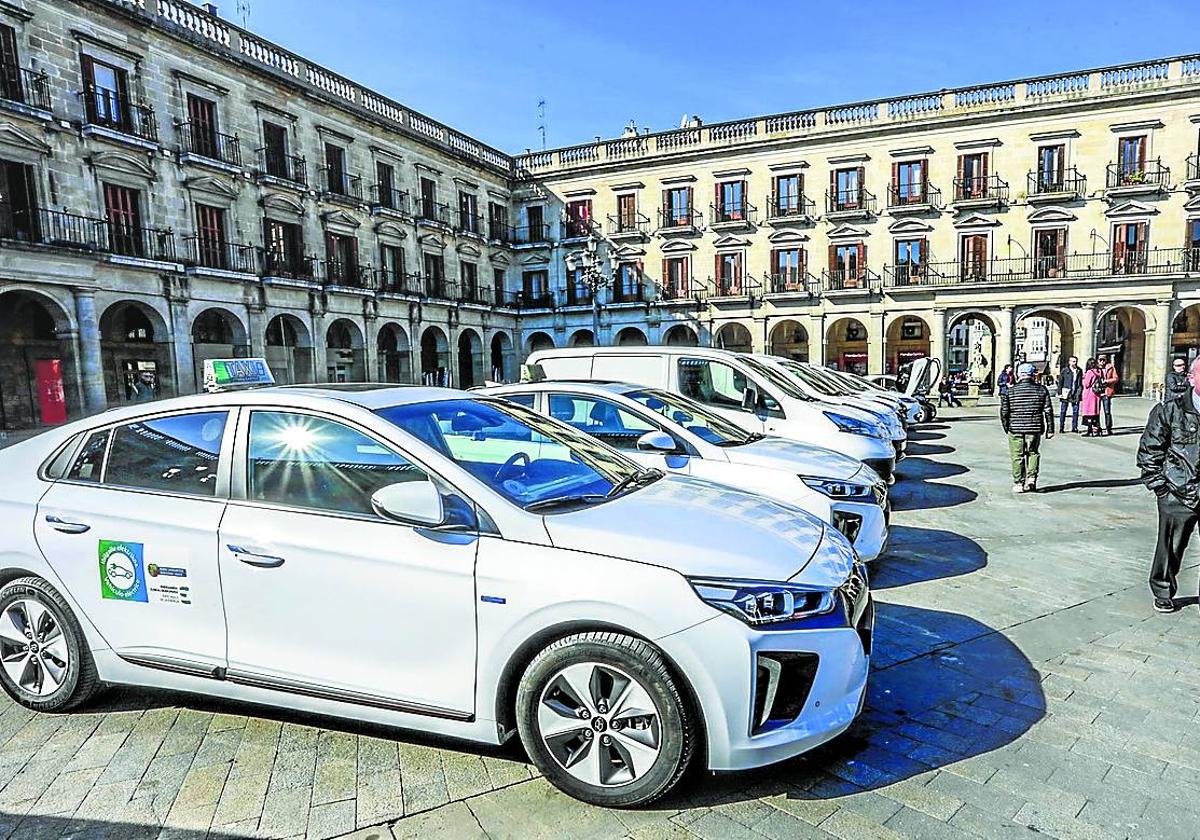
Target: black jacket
1177	384
1169	452
1025	409
1072	381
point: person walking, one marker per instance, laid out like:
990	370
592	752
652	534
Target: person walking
1169	458
1178	382
1089	404
1027	416
1070	392
1005	380
1109	371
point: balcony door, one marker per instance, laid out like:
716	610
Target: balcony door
285	248
124	220
335	168
210	237
911	255
675	276
342	255
729	270
1049	252
787	269
909	181
627	212
973	175
1129	247
1131	155
1052	168
10	66
786	200
974	256
18	202
107	91
275	148
847	264
847	188
202	126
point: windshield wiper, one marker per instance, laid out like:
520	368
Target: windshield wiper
751	437
636	479
565	501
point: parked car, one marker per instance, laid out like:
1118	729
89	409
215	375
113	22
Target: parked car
909	408
424	558
756	397
667	431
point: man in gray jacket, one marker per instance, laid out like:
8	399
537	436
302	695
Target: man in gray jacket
1026	415
1070	392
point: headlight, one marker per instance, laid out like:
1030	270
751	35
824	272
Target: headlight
855	426
835	489
763	602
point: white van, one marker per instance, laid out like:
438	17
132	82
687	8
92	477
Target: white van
757	397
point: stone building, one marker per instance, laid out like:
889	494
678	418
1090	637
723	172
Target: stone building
175	188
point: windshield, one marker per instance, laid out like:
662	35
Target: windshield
845	379
806	375
778	379
525	457
694	417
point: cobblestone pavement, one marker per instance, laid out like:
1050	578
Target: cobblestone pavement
1022	685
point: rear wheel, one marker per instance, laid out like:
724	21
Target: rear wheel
602	717
44	660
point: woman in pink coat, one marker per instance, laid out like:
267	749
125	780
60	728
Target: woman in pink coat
1089	405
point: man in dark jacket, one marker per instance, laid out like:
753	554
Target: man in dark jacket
1070	392
1169	458
1026	415
1178	382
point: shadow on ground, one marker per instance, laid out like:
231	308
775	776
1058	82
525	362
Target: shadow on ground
1099	484
917	489
919	554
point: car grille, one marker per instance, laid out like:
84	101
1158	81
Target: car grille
883	466
782	683
880	494
850	524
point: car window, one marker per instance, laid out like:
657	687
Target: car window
601	419
304	461
720	385
176	454
526	400
692	416
90	460
523	456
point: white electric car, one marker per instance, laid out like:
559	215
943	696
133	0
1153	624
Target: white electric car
427	559
663	430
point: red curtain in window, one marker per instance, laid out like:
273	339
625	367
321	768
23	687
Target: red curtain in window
124	222
210	236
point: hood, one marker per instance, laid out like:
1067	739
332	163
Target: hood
795	457
699	529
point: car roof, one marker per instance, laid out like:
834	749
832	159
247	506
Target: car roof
603	386
634	350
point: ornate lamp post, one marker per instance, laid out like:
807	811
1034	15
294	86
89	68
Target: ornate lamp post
590	266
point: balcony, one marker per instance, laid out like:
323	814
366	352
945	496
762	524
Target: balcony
530	299
390	281
439	287
792	283
203	252
348	274
473	293
732	215
906	274
470	224
980	191
684	291
579	296
681	221
634	292
499	231
913	198
1053	186
141	242
730	287
790	208
432	213
288	266
580	228
389	200
200	141
339	185
30	88
531	234
1193	171
849	204
280	166
628	226
109	114
1136	178
843	280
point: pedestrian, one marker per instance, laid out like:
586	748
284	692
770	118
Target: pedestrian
1070	392
946	394
1178	382
1089	404
1109	371
1026	415
1005	380
1169	458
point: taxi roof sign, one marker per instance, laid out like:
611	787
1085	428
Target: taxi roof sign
226	374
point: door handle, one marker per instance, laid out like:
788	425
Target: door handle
255	558
67	527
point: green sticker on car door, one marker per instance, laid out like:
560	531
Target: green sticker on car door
122	573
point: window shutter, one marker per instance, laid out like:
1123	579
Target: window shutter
983	168
125	117
687	211
964	189
833	266
833	192
925	179
1142	152
895	181
862	181
802	264
1060	247
717	271
862	260
923	251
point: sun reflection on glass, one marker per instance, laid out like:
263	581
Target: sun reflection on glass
296	438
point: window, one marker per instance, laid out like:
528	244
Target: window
785	200
1049	252
627	214
391	263
470	281
601	419
1131	158
730	201
1052	168
728	273
337	181
973	256
309	462
275	151
537	225
11	86
341	254
526	400
90	461
579	217
435	274
908	182
578	291
107	94
468	218
846	188
122	207
428	199
1192	257
712	383
284	249
175	454
676	277
847	264
535	286
627	285
498	281
201	129
385	186
1129	247
210	237
972	176
677	207
910	259
497	221
787	269
18	201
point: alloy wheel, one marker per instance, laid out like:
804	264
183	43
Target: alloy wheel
33	648
600	724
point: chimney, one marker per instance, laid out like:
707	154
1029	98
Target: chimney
211	8
630	129
695	122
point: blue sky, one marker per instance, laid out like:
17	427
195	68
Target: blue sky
482	67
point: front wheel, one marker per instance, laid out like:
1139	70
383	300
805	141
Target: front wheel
603	719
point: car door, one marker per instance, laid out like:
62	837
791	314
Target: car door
131	530
722	387
618	426
323	596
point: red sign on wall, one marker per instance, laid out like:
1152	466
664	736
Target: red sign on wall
51	398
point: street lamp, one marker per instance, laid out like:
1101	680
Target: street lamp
590	266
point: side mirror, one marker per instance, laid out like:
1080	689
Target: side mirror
410	502
750	399
656	442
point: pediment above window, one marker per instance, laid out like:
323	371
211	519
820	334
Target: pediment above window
1051	214
537	260
1131	208
213	186
468	250
909	226
1193	204
499	259
282	203
123	163
12	137
731	241
338	218
787	237
976	220
430	240
628	252
678	246
391	229
848	232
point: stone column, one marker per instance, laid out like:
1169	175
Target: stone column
91	368
1158	352
816	340
1085	341
181	343
937	335
876	338
1005	339
257	324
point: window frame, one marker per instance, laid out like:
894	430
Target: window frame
680	448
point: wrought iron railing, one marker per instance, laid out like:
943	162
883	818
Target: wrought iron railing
398	282
628	223
499	231
574	228
29	87
732	212
348	273
1137	173
278	164
60	229
790	205
441	288
792	282
850	200
907	195
200	139
736	286
469	222
339	183
633	292
207	252
142	242
107	109
529	234
981	188
841	279
1067	182
677	218
288	266
432	211
389	198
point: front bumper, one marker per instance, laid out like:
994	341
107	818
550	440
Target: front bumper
886	467
901	448
868	522
723	660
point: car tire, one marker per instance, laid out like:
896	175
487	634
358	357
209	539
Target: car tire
58	673
620	755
